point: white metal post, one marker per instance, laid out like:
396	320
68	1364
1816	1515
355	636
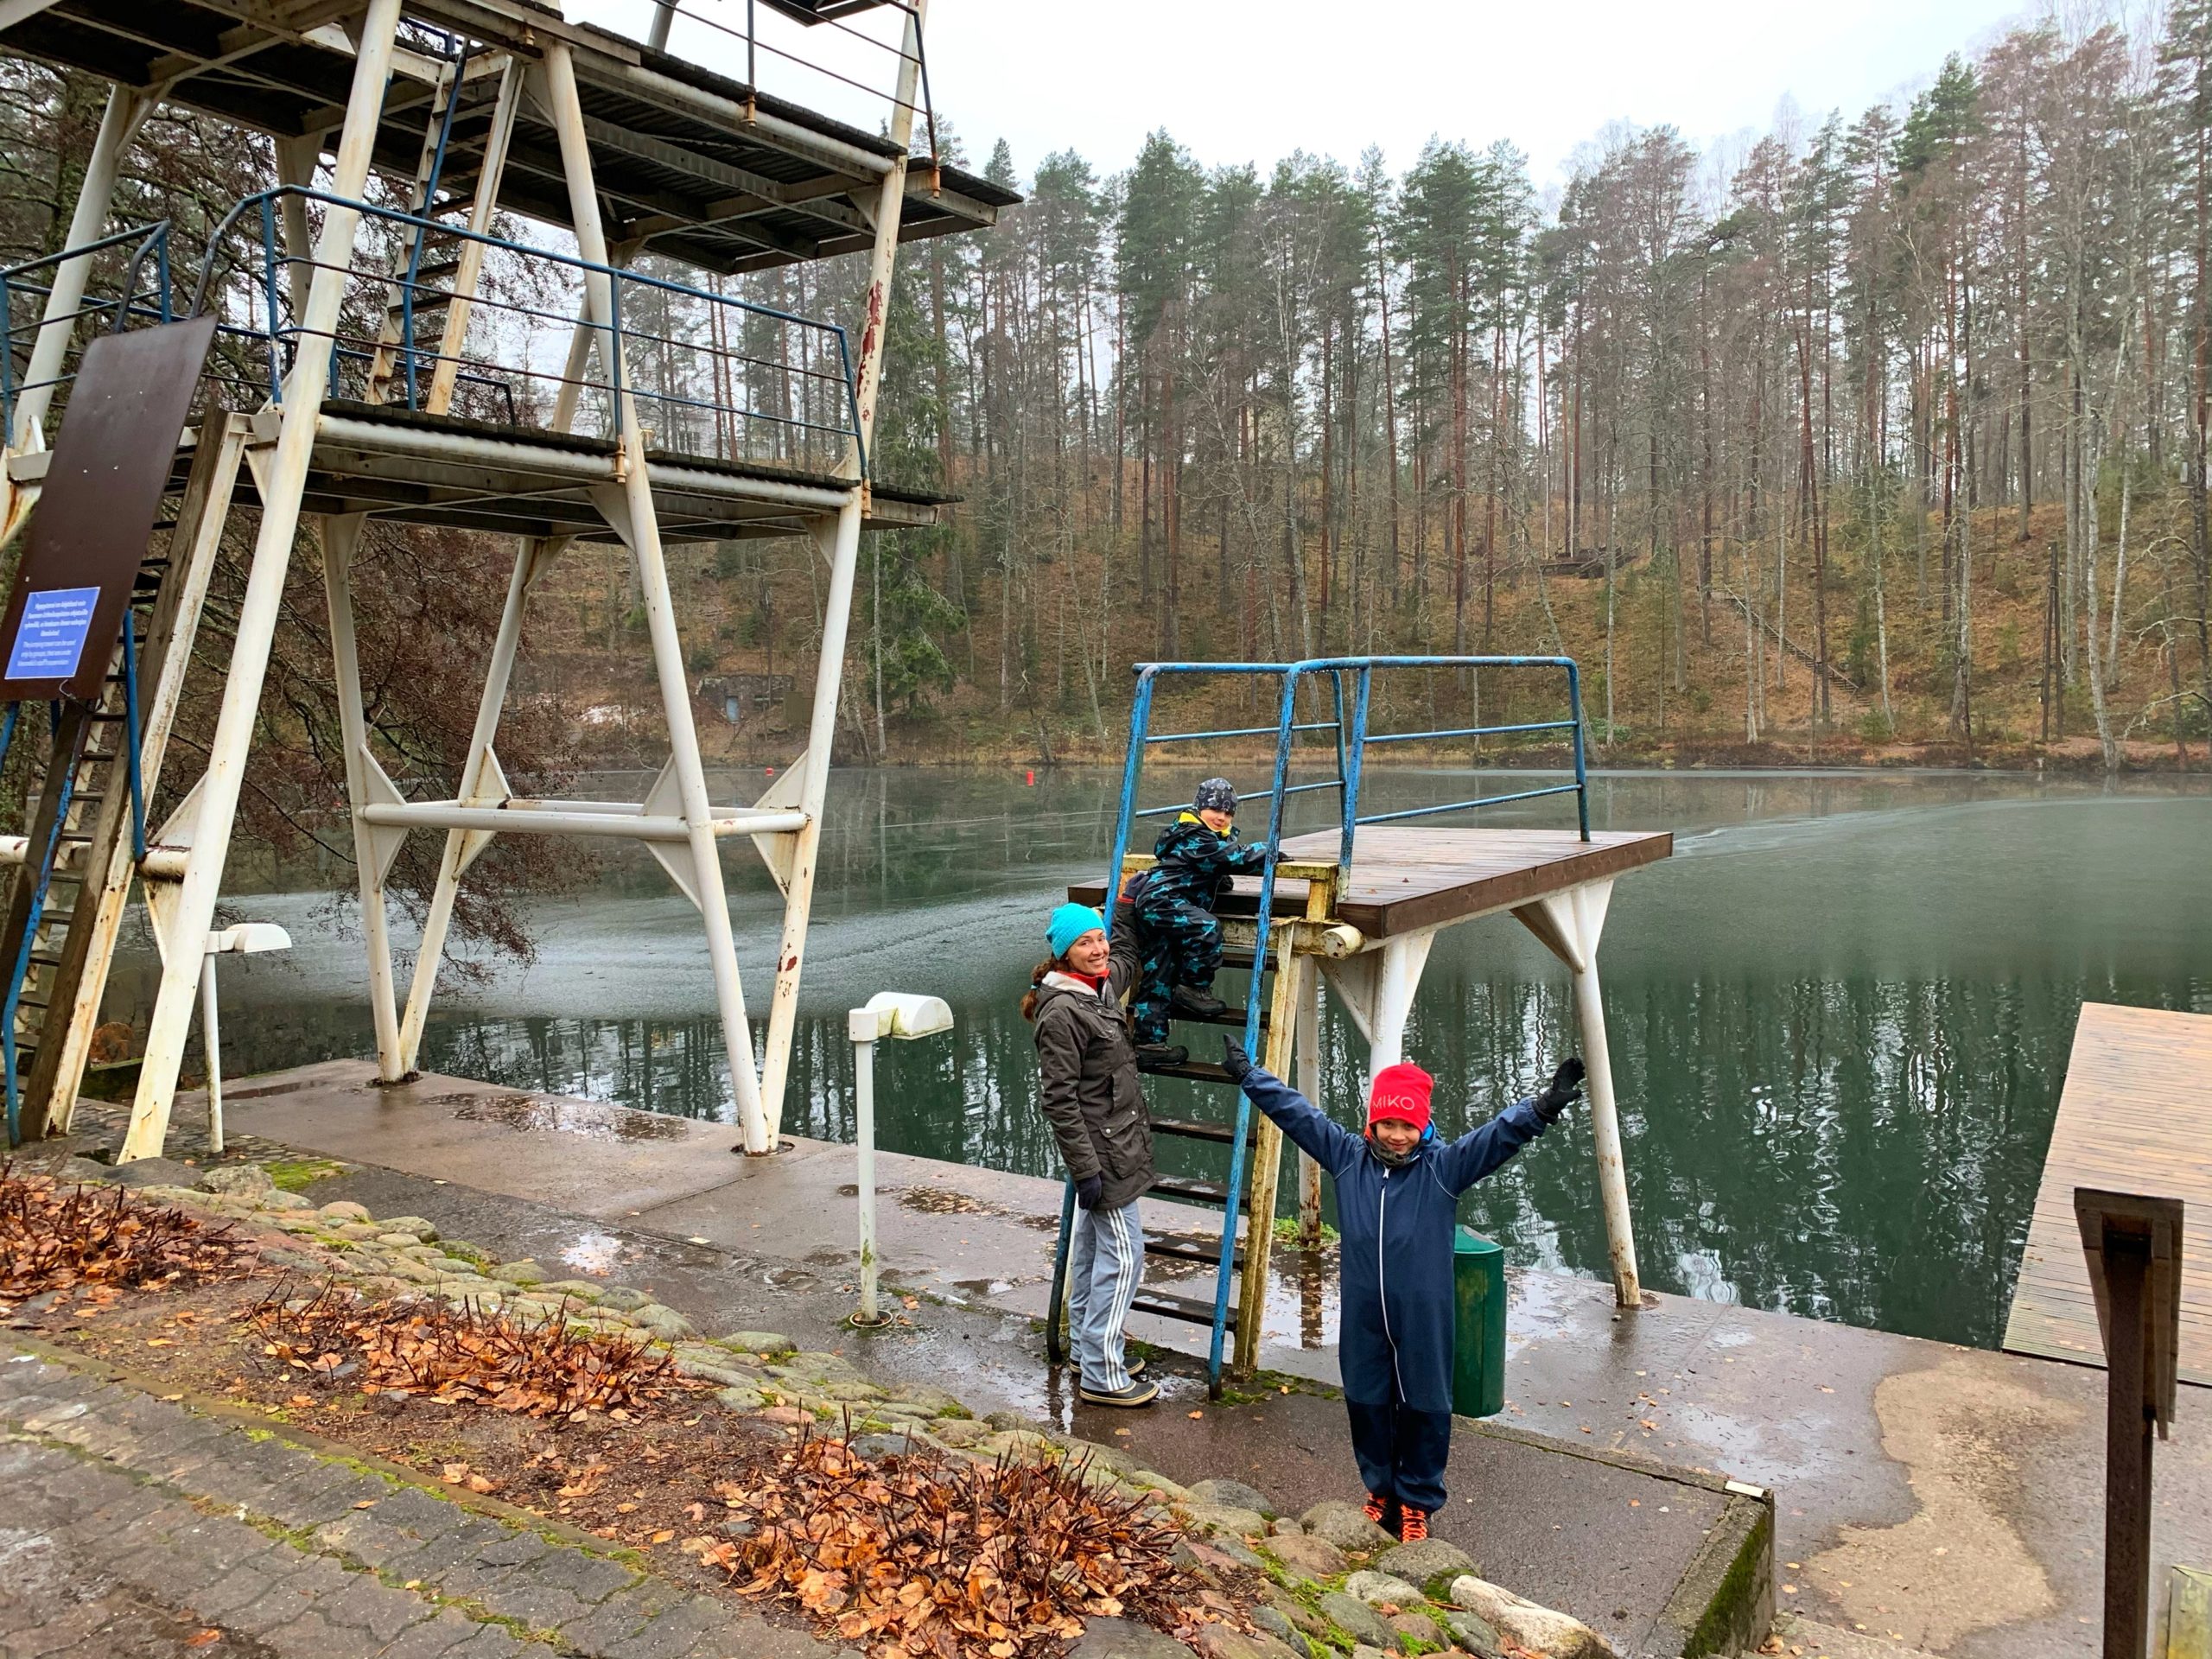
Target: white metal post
286	483
631	512
341	535
535	555
863	1027
127	110
1396	983
211	1039
1569	924
296	159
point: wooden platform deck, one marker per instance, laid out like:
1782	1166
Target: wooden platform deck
1404	877
2136	1116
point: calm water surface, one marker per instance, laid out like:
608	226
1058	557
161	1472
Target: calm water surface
1839	1015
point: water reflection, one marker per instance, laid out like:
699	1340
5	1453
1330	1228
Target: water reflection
1839	1016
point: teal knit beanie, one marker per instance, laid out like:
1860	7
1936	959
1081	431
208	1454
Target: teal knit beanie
1068	924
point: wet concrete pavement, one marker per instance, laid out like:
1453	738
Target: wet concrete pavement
1940	1498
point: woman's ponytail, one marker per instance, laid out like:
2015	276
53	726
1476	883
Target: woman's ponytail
1036	979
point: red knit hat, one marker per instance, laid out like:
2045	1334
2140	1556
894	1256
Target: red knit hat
1401	1091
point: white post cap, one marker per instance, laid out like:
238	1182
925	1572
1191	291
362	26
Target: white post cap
899	1013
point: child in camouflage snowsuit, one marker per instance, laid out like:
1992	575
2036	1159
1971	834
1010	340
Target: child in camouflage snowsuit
1177	929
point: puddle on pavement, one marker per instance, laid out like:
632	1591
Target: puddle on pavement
593	1120
983	1287
596	1254
938	1201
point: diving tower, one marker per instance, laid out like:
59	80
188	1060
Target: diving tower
374	361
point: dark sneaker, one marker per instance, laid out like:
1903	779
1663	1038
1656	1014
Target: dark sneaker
1413	1526
1133	1367
1138	1393
1199	1005
1157	1056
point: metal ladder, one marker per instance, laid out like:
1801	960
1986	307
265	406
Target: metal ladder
1277	952
87	838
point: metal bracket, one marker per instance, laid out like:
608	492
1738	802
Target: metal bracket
780	849
377	787
665	798
490	790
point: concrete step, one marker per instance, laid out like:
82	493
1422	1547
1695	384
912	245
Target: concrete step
1808	1638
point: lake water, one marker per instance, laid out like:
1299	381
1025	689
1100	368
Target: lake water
1839	1015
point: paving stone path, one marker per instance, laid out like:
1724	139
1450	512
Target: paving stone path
131	1527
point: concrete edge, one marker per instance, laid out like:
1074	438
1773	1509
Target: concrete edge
1635	1462
1724	1604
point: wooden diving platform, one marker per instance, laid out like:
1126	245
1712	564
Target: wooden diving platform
2135	1116
1406	878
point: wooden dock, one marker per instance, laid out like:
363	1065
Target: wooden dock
2136	1116
1404	878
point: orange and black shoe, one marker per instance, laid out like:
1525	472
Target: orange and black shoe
1413	1525
1384	1512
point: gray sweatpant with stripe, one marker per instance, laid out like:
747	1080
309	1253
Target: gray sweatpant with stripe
1105	1264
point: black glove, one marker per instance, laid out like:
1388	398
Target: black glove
1561	1092
1089	1190
1234	1061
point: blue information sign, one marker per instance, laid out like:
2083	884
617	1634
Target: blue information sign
49	642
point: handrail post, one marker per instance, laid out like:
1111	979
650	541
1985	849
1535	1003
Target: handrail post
1581	773
1360	703
1132	767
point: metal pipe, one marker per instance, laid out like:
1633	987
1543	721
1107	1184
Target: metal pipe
1462	806
864	1156
341	535
127	110
211	1039
1309	1085
283	485
1588	911
517	818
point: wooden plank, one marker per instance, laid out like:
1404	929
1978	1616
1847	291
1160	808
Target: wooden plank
2135	1115
1405	877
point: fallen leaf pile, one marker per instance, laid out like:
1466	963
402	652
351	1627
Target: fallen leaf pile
57	1237
921	1554
464	1356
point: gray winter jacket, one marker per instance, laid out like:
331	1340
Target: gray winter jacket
1087	1080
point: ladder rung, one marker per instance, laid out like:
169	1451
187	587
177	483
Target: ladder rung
1243	959
1180	1307
27	1001
1182	1249
1195	1070
40	956
1231	1016
1189	1191
1220	1134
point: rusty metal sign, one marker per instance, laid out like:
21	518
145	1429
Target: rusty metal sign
103	488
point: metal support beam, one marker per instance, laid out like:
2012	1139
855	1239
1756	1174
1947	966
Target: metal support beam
340	536
1293	975
127	110
1308	1050
843	546
1569	924
194	901
481	207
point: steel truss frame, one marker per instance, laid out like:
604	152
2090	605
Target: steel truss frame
627	489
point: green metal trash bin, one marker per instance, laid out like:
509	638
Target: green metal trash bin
1478	1335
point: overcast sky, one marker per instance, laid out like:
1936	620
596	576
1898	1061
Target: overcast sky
1240	81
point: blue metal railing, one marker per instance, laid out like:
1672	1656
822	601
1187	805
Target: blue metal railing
146	241
809	380
1350	727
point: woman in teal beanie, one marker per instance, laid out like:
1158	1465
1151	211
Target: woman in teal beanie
1088	1089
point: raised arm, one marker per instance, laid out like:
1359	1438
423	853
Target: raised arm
1328	1143
1128	956
1486	1146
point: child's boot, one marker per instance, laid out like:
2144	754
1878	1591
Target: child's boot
1384	1512
1197	1003
1158	1057
1413	1525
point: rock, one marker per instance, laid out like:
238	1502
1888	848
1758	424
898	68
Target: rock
524	1272
574	1290
1122	1638
1279	1627
932	1402
401	1267
250	1178
625	1299
663	1321
1474	1633
758	1342
458	1267
1159	1484
415	1224
727	1375
167	1171
1383	1590
392	1241
1366	1650
962	1431
1359	1620
278	1198
1101	1456
1207	1519
1527	1625
345	1209
1413	1627
740	1399
1219	1642
1281	1526
1230	1550
1345	1525
357	1232
1232	1495
1431	1564
1300	1616
1308	1557
1006	1420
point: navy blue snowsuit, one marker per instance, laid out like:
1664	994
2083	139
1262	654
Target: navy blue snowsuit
1394	1348
1180	935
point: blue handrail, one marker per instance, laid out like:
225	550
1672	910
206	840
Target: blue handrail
144	241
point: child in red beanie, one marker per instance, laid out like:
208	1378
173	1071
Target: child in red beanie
1398	1189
